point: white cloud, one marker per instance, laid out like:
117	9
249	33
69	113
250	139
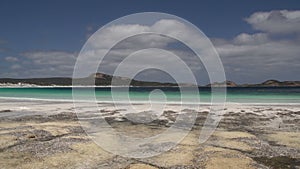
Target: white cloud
47	64
277	21
260	56
15	66
257	58
254	39
111	34
11	59
246	57
149	37
50	57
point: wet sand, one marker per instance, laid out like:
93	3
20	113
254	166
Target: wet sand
44	134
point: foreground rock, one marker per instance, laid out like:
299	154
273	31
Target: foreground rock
248	137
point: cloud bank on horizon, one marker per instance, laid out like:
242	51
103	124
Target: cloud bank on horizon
272	52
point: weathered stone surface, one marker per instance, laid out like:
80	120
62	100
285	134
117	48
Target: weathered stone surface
248	137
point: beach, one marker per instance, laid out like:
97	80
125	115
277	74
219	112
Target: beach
47	134
150	85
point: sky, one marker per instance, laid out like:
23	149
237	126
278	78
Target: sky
256	40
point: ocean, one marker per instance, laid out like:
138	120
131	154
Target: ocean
274	95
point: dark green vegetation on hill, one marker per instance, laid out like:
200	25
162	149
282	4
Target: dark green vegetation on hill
100	79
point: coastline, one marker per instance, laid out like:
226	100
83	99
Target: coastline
146	102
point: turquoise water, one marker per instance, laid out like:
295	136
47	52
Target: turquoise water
141	94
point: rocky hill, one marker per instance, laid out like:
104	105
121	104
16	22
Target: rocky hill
222	84
275	83
100	79
268	83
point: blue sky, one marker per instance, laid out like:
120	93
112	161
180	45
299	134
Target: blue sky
33	27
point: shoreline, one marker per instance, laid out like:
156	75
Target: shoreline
145	102
109	86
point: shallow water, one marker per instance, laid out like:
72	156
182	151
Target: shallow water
171	94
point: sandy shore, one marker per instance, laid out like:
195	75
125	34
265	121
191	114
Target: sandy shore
44	134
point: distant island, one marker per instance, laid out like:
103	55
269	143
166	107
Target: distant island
268	83
101	79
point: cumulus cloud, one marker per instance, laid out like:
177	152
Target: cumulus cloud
52	63
112	33
138	37
50	57
246	57
11	59
251	39
260	56
276	21
42	64
15	66
257	58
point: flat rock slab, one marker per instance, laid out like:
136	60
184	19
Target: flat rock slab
248	137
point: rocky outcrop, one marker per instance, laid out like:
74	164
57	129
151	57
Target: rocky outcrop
222	84
101	79
268	83
275	83
248	137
